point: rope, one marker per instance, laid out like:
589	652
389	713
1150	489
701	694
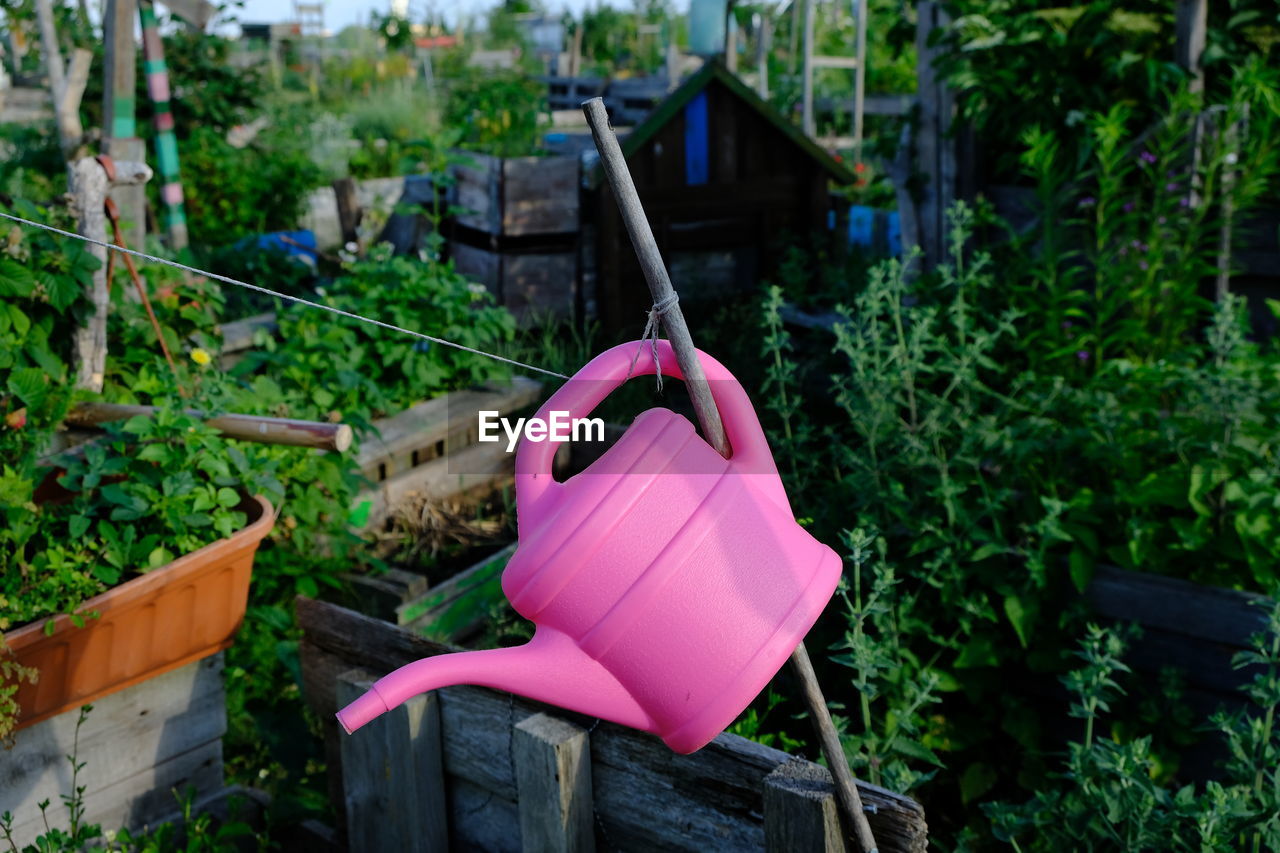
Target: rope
651	329
284	296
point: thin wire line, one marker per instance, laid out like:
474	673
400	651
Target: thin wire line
278	295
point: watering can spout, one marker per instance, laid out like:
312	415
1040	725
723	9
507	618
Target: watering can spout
549	668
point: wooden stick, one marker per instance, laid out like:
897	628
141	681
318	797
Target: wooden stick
655	273
320	435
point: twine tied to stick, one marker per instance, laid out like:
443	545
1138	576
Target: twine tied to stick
652	327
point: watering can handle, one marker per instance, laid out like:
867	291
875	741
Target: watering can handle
604	374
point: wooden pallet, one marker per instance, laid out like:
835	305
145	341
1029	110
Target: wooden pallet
476	769
137	745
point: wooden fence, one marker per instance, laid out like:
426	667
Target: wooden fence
476	769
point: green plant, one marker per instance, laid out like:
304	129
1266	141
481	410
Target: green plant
886	674
199	833
498	112
1130	225
79	834
234	192
1109	795
307	371
1041	63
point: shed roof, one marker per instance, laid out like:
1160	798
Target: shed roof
714	70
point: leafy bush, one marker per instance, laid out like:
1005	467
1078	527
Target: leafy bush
497	110
309	370
994	490
1109	795
237	192
1129	229
1046	64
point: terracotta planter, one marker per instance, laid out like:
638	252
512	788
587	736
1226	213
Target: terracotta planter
158	621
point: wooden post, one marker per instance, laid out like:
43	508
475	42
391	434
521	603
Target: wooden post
349	212
1231	139
764	35
800	810
859	79
730	39
1192	21
89	188
575	57
673	322
119	120
806	93
553	778
393	775
175	214
935	149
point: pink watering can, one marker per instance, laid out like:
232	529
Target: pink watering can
668	584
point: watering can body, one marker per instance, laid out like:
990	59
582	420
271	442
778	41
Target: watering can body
668	584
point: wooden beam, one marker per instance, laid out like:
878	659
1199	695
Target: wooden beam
393	775
800	810
119	111
553	777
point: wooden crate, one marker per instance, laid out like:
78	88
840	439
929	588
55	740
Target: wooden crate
533	284
137	745
474	769
517	196
431	449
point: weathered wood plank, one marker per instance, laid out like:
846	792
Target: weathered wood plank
553	776
477	181
800	810
238	335
143	799
540	195
480	820
392	775
538	285
646	796
383	595
1181	607
126	733
419	427
424	612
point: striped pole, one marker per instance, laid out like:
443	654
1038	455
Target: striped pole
175	217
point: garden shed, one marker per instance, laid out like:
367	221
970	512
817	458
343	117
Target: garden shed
722	176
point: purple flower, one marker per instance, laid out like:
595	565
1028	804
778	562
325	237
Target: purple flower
1135	244
1128	207
1124	250
1161	220
1083	355
1147	157
1087	201
1171	187
1067	324
1143	265
1184	202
